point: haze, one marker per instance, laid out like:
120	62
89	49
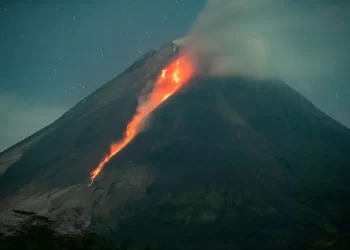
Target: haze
304	43
53	55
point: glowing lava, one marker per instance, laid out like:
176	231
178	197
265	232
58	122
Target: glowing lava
171	79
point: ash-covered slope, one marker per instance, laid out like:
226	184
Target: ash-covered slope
227	163
62	155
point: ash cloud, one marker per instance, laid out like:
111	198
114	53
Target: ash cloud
296	41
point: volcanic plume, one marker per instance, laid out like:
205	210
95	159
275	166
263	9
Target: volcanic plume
174	76
240	163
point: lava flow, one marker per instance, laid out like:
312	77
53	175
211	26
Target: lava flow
171	79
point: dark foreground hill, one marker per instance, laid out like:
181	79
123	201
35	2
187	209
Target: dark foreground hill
35	232
227	163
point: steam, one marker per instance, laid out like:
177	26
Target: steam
297	42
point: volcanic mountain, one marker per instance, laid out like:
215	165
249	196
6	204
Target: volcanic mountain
225	163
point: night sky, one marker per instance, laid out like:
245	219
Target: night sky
53	55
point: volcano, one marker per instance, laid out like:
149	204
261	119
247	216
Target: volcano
224	163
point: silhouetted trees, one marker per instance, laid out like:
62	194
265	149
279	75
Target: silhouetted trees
35	232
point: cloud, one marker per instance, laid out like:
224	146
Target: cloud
20	118
295	41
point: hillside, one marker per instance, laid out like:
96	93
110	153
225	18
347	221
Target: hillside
226	163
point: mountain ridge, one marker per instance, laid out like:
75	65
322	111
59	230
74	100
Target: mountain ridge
226	162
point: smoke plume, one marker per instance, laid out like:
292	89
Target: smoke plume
295	41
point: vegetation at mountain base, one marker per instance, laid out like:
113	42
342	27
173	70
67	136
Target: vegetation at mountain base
35	232
218	216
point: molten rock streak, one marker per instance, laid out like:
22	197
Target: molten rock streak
171	79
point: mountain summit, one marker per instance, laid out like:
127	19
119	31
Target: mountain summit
224	163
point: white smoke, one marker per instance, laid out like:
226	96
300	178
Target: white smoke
297	42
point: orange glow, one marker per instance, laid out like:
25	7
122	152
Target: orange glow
171	79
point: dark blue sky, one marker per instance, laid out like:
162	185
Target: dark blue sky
53	55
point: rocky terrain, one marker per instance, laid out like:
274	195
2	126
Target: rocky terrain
226	163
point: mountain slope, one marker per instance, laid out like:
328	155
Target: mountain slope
226	163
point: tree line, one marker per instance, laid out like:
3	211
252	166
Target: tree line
36	232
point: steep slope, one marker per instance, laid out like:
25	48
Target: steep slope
239	162
62	155
226	163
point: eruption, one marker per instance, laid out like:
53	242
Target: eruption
171	79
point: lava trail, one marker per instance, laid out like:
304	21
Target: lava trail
171	79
